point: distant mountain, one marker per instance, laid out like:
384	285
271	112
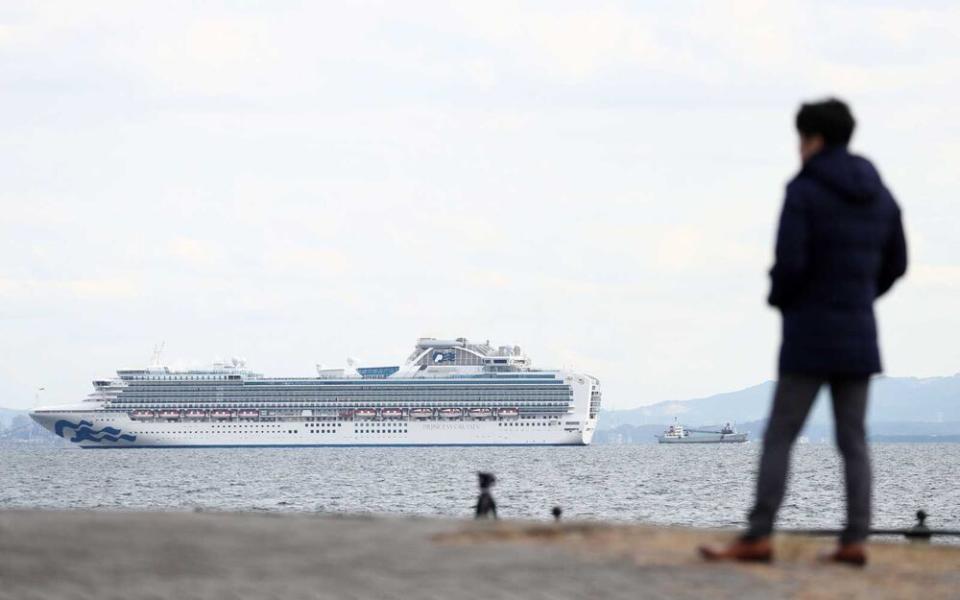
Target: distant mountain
7	415
933	400
749	404
16	427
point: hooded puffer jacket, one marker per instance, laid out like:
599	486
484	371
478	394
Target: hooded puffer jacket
840	245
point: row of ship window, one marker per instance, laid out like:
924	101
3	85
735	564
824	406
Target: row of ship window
194	431
295	431
277	405
380	431
337	404
473	391
369	384
357	399
289	431
384	394
334	406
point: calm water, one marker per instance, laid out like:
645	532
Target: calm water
688	485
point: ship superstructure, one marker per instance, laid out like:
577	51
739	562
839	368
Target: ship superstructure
449	392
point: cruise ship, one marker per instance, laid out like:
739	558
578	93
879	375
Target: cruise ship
448	393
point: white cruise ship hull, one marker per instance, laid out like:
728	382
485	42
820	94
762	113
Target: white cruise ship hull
96	429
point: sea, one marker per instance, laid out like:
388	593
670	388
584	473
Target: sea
689	485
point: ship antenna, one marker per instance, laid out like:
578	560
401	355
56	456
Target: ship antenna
157	351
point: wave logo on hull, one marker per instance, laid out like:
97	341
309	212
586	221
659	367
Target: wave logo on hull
84	432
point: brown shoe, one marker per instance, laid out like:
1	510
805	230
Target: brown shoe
847	554
743	550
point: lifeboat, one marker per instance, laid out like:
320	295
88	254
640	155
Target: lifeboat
196	414
421	413
248	413
169	414
142	414
365	413
392	413
480	413
450	413
509	413
346	414
221	414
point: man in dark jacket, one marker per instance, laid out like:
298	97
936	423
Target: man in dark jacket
840	246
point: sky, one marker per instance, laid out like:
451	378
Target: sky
597	182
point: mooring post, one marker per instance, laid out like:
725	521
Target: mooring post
919	532
486	507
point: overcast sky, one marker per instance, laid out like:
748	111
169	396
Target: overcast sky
597	182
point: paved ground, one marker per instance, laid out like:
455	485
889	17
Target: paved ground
183	556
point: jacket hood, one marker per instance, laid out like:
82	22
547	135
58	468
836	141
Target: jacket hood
853	177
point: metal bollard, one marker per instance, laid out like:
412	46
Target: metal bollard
486	507
919	532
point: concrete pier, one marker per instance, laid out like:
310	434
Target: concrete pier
140	555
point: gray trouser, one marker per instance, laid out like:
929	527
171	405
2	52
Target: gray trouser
791	404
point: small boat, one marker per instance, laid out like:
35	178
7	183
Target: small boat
678	434
421	413
196	414
480	413
391	413
509	413
169	414
450	413
365	413
222	414
248	413
141	414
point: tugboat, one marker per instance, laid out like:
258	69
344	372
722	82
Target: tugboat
678	434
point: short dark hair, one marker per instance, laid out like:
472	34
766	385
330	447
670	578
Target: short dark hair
830	118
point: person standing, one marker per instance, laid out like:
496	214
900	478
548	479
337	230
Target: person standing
840	246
